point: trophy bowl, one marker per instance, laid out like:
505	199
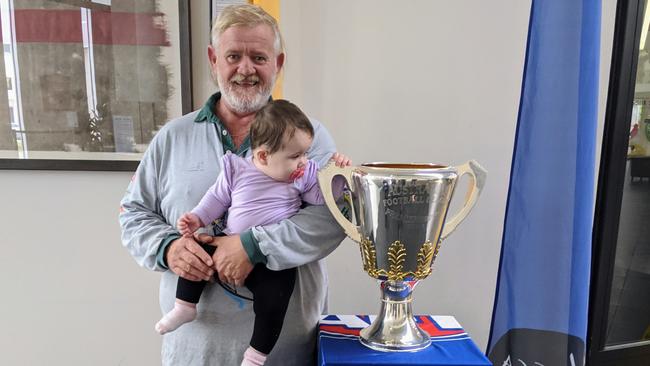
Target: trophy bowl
400	212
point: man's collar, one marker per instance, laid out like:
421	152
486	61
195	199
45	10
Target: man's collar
206	114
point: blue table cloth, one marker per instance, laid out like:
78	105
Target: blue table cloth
338	344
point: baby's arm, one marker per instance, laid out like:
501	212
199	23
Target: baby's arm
188	224
216	200
312	193
341	160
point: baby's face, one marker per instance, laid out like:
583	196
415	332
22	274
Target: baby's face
288	163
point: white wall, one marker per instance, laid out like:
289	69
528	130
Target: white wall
73	296
202	84
421	81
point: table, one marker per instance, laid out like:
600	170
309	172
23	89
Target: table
338	344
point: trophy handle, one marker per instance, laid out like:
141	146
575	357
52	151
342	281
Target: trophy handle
325	177
477	175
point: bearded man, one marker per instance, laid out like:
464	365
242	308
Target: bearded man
182	162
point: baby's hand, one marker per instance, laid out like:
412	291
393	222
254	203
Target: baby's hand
188	224
341	160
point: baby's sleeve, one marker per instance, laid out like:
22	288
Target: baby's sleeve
216	200
311	192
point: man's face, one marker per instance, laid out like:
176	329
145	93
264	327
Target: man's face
246	65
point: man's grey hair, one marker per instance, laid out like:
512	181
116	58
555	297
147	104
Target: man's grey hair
245	15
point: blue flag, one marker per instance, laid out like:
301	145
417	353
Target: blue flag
541	304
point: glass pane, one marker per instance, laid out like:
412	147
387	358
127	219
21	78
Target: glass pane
629	311
87	79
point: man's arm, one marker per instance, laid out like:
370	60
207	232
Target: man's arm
308	236
143	226
154	243
313	231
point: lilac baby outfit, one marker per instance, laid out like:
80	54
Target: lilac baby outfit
252	198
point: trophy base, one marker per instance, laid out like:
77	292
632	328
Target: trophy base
395	329
379	344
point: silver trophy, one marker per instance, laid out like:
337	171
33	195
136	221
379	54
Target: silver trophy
400	210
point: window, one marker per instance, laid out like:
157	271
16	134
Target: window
619	326
89	83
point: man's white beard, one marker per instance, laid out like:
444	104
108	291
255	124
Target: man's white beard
244	103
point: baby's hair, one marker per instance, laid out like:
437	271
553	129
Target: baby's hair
277	119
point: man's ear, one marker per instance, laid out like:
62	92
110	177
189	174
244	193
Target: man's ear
212	55
212	61
279	62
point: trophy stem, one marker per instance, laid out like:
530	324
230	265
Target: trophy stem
395	329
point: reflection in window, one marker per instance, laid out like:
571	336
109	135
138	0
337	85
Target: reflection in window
629	308
86	80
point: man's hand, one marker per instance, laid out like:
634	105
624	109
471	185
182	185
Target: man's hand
187	259
230	258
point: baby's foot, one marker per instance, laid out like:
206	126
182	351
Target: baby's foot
181	313
253	357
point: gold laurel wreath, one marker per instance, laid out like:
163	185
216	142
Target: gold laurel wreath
369	257
396	257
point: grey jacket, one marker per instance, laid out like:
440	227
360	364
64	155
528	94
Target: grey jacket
181	163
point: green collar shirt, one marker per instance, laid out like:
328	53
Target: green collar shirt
206	114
